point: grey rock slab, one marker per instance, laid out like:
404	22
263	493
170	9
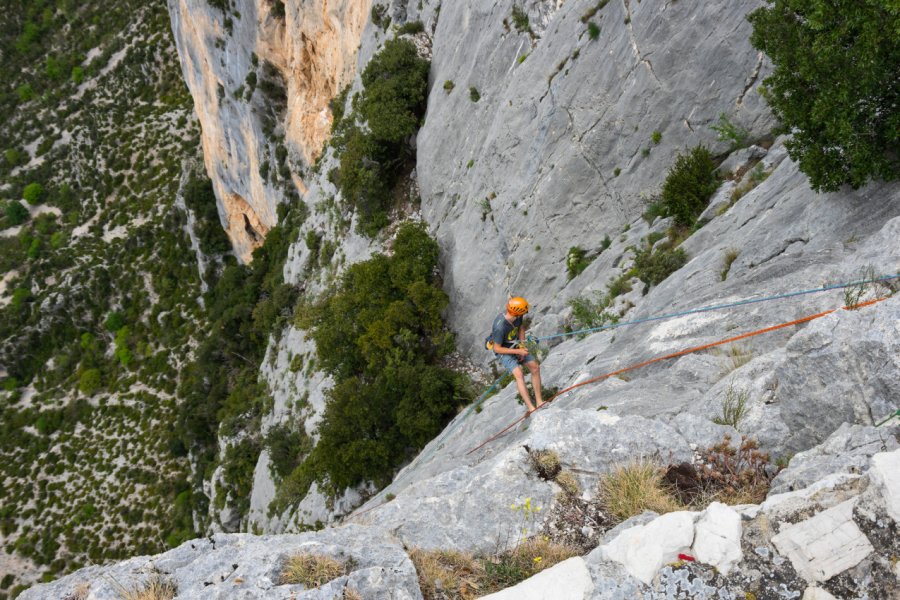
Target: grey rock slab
739	160
842	368
847	450
247	566
720	199
825	545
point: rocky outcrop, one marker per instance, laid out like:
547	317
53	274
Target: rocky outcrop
832	539
225	55
247	566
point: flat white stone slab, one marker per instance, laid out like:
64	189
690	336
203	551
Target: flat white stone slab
644	549
817	593
885	473
569	580
718	538
824	545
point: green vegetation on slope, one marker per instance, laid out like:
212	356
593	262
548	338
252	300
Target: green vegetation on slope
835	85
220	389
381	336
100	306
374	157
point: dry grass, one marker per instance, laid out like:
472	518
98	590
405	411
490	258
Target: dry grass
569	483
312	570
80	592
451	575
545	463
456	574
736	356
730	256
633	488
351	594
155	588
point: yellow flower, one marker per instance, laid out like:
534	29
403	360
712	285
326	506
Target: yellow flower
537	559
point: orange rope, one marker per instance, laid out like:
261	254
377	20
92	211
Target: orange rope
675	355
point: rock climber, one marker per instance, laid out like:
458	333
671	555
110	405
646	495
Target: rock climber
507	340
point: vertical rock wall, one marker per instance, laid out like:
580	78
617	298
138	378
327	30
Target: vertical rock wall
558	148
313	46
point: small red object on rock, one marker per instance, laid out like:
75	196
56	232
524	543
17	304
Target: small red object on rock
686	557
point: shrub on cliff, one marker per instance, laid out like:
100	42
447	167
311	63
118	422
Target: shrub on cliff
688	185
834	86
391	105
381	336
395	89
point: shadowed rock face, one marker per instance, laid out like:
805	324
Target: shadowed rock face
313	48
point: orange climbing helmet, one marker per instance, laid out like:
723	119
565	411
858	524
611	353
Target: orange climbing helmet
517	306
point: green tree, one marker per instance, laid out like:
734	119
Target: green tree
16	214
89	382
382	337
835	85
396	86
33	193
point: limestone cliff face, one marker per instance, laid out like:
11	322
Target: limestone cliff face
570	136
311	49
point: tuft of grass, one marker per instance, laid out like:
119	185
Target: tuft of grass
734	407
411	28
155	588
593	30
474	96
449	85
312	570
520	19
729	132
656	138
587	16
753	179
730	256
577	260
446	573
545	463
619	285
736	356
569	483
631	489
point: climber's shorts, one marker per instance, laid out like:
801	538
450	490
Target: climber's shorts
511	361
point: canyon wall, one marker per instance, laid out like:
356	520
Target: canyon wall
228	57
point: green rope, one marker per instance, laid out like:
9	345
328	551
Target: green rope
888	418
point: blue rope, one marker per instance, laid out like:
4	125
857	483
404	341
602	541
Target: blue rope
717	307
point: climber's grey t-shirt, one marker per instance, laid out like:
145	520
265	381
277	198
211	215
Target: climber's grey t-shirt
505	333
